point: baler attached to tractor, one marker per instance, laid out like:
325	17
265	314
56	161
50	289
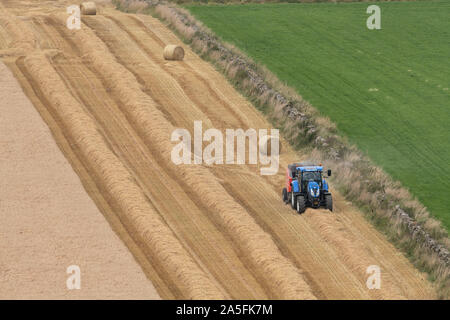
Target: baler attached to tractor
306	187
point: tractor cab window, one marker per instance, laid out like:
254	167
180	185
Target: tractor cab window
309	176
312	176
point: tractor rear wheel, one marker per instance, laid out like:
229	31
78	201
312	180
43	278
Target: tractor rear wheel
301	204
329	202
285	195
293	201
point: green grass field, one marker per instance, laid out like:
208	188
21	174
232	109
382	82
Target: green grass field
387	90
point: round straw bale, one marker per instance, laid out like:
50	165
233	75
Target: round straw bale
88	8
173	52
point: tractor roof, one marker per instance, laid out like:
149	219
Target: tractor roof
305	167
310	168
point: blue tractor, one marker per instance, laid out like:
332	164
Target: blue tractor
306	187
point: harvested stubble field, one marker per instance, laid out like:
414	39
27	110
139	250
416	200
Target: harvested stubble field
48	221
112	102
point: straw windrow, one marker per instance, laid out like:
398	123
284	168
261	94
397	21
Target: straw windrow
133	209
283	278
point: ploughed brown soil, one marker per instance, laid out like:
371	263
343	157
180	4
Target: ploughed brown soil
198	231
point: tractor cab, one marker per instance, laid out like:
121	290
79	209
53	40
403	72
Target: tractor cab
308	176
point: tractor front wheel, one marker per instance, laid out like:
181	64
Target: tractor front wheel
301	204
329	202
285	195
